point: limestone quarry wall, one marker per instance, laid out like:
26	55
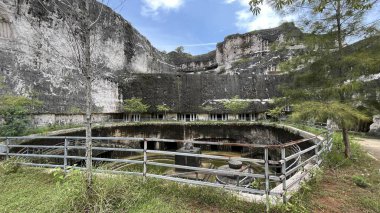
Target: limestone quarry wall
187	93
37	54
250	52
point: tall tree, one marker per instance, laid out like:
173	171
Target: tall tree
80	18
325	88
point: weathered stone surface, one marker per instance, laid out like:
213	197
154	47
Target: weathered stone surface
375	127
187	93
242	53
36	55
36	59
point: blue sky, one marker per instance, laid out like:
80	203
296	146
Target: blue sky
195	24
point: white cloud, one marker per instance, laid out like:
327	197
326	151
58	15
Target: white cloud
152	7
268	18
229	1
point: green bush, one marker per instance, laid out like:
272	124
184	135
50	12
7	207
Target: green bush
14	111
360	181
336	157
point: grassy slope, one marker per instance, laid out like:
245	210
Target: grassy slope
336	190
33	190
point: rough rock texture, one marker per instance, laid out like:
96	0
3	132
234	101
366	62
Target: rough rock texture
36	55
189	63
250	52
36	60
187	93
375	127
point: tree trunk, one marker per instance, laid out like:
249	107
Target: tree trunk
346	141
339	27
88	82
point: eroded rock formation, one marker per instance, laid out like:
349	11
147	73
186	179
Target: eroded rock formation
37	52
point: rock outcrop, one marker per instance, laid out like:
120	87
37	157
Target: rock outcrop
37	59
252	52
37	55
374	129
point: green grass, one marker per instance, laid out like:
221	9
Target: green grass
50	128
347	185
35	190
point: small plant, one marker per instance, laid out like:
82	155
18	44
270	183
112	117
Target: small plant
360	181
12	165
58	175
236	105
257	183
163	108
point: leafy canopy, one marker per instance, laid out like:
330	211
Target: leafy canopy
163	108
342	114
135	105
236	105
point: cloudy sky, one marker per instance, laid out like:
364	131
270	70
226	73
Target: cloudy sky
195	24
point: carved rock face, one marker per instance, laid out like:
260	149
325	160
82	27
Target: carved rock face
5	25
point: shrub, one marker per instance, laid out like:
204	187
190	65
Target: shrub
135	105
360	181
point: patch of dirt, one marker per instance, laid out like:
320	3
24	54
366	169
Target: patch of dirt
337	192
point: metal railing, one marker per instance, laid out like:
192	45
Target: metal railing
70	153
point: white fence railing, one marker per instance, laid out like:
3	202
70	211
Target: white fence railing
273	168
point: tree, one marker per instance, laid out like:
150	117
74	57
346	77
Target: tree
135	105
163	108
80	18
180	49
236	105
14	111
324	83
344	115
340	18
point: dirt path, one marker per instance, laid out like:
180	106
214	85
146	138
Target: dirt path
371	145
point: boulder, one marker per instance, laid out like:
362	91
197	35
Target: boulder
374	129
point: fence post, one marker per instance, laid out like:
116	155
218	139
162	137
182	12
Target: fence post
283	171
145	159
266	178
7	146
65	156
329	134
317	150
